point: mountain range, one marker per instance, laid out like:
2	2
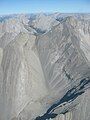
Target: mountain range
45	66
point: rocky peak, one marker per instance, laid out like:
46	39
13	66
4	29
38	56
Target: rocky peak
45	67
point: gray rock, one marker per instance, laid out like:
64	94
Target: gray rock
47	74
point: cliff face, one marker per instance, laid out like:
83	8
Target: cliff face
65	63
45	71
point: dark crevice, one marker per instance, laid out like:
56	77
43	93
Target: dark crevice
70	96
67	75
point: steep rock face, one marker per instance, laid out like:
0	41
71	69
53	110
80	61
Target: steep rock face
61	55
65	61
9	29
23	78
45	75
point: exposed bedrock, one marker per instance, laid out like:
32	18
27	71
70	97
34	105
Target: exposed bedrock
45	76
65	63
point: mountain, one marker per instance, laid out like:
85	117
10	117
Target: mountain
45	66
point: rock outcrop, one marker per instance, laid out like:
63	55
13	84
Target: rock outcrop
45	67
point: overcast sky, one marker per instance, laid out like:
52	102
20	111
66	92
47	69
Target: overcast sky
35	6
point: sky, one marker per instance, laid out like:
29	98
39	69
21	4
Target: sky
36	6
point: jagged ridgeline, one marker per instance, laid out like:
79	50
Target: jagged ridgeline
45	66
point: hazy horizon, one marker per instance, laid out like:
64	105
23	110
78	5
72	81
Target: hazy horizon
37	6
